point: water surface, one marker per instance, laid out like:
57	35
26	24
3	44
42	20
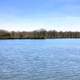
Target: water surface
50	59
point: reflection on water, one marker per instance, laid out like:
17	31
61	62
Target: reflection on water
55	59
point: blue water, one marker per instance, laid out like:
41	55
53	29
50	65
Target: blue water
50	59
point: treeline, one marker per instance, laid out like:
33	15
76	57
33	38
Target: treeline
38	34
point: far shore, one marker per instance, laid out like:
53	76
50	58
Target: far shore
39	34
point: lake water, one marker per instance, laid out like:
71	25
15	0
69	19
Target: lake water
49	59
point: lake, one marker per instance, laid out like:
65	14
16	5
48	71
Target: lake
47	59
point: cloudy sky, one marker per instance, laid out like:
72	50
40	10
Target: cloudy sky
29	15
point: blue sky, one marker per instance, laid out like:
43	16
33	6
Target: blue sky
29	15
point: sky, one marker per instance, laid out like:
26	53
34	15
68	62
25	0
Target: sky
28	15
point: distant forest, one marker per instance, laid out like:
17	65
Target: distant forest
38	34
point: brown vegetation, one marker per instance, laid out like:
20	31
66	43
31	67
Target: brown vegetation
38	34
